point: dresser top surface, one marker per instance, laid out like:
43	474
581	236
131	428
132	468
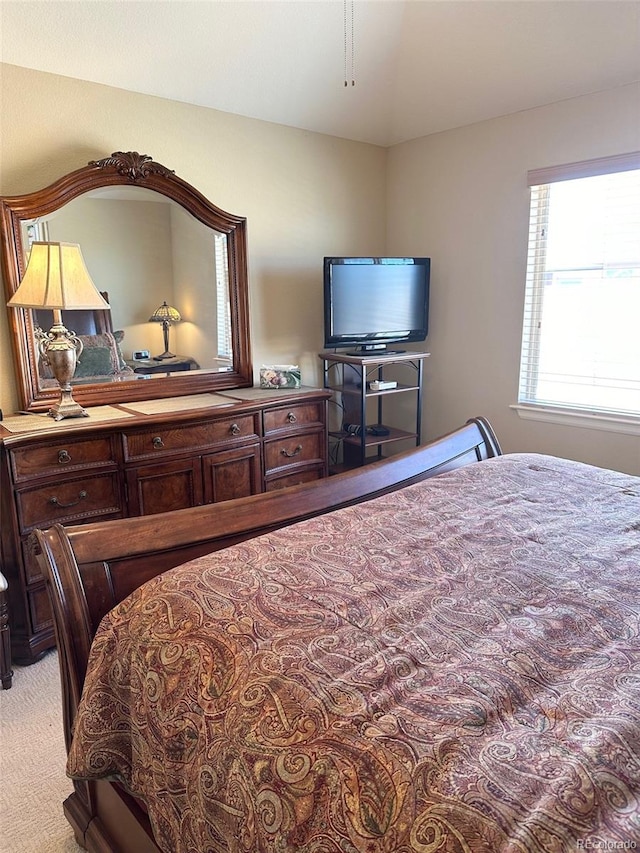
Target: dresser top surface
30	425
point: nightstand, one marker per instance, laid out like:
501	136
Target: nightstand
167	365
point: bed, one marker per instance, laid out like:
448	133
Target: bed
439	652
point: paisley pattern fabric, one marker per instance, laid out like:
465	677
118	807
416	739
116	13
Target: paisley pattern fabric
453	667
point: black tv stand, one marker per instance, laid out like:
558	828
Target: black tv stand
363	353
359	407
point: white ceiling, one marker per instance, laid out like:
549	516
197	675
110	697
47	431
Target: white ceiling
420	66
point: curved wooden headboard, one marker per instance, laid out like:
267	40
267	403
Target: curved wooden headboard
92	567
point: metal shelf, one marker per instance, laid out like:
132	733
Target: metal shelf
347	377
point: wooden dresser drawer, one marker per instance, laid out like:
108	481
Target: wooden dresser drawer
295	478
69	501
293	450
151	443
62	456
293	416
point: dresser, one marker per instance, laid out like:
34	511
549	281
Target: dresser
142	458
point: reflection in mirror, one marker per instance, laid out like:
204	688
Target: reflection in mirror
147	237
143	249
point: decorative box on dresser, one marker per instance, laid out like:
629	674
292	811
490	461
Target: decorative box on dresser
138	459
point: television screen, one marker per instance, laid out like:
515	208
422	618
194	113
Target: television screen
372	302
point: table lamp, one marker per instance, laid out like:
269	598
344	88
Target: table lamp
57	278
166	315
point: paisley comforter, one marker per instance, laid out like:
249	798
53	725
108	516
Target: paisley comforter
452	667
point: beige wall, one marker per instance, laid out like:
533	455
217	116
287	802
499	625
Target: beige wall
304	194
193	270
461	197
138	277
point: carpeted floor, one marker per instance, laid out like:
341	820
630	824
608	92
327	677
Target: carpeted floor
33	784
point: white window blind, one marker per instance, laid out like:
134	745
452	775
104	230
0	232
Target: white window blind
222	294
581	332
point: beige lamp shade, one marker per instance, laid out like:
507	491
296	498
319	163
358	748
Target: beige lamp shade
57	277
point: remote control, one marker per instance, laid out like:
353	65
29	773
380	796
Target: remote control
382	385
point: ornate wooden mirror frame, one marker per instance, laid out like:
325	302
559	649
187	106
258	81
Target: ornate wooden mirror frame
124	169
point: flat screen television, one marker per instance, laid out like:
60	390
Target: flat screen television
370	303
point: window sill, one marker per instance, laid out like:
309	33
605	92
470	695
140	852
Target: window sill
572	417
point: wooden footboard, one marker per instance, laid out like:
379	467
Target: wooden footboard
90	568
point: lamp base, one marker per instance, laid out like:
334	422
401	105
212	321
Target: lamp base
60	350
163	356
66	407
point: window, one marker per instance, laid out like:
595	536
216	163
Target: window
581	335
222	297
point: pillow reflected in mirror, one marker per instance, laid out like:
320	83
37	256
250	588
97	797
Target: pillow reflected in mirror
101	356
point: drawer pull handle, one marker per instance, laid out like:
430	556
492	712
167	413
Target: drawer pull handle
234	429
289	454
291	418
158	443
63	457
81	496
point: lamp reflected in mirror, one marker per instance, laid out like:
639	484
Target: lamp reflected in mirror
57	278
166	315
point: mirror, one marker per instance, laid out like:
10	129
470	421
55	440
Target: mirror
147	237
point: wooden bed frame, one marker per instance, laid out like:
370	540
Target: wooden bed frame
91	567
